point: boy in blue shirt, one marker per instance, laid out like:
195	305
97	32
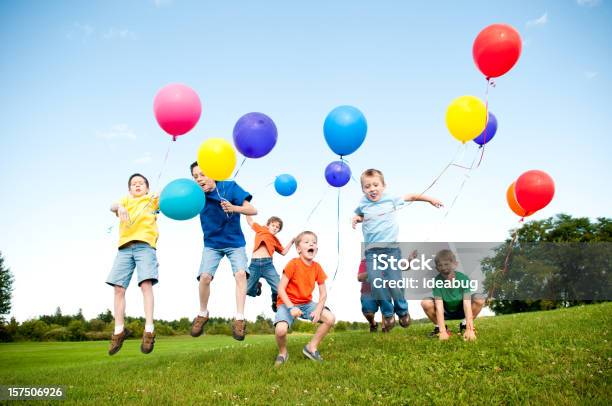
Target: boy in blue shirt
220	220
376	212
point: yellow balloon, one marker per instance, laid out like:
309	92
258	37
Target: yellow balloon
466	118
216	158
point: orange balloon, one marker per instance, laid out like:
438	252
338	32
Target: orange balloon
513	204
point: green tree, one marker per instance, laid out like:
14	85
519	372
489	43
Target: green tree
558	262
6	289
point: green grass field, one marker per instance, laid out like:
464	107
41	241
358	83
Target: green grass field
561	357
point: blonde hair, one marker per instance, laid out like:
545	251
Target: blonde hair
445	255
372	172
303	234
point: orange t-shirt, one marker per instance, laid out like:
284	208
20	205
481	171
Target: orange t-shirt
302	280
264	236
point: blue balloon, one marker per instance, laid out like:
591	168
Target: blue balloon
489	131
338	173
345	129
255	135
182	199
285	184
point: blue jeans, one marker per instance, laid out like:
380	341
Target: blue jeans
139	255
386	296
262	268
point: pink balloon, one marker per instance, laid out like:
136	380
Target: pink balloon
177	109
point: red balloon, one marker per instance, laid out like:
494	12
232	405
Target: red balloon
513	204
496	49
534	190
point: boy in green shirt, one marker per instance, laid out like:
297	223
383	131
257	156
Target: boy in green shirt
452	299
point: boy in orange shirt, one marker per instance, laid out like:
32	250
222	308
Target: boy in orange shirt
261	261
295	298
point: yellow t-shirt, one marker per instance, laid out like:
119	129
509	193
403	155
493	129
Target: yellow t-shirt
142	225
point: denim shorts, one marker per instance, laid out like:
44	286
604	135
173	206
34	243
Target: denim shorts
139	255
212	256
283	313
370	305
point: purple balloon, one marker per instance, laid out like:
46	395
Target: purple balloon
255	135
338	173
489	131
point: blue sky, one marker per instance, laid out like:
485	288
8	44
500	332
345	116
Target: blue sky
78	81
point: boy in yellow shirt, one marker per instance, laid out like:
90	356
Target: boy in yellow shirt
138	235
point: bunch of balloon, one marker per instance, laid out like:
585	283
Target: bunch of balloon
285	184
532	191
182	199
177	109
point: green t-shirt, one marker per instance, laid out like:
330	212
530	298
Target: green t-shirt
452	291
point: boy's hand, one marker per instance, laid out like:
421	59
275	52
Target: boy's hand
295	312
436	203
444	336
122	213
413	255
355	220
228	207
469	335
315	316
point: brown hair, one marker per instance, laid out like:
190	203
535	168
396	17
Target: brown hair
372	172
146	181
302	235
275	219
445	255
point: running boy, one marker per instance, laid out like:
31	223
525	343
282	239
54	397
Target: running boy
138	235
295	298
261	261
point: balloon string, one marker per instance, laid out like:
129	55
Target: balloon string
238	170
317	205
337	237
490	83
506	261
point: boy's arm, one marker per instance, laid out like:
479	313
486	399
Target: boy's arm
282	286
316	315
440	318
358	218
249	220
120	212
469	320
247	208
411	197
287	247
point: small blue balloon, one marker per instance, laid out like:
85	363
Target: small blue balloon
489	131
338	173
182	199
285	184
345	129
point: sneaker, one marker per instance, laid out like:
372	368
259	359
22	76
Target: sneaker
388	324
436	332
239	329
197	327
374	328
280	360
258	289
274	307
462	327
117	341
148	341
404	320
315	356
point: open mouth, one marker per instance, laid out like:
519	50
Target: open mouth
310	251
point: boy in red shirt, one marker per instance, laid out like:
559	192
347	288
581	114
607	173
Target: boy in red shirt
261	261
295	298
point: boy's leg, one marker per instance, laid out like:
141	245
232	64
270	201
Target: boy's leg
478	302
280	332
254	275
429	307
147	294
327	322
208	267
369	307
271	276
145	258
387	310
119	305
119	278
238	260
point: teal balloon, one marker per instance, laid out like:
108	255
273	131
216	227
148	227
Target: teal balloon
285	184
345	129
182	199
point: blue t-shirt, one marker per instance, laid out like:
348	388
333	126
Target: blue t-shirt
221	229
379	222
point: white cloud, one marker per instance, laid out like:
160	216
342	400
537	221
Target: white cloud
80	31
118	131
590	74
588	3
119	33
144	159
538	21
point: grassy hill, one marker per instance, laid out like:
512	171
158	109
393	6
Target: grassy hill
562	357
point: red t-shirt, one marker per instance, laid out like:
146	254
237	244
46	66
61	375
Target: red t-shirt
302	280
265	237
366	289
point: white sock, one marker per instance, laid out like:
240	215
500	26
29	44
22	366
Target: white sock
463	322
149	328
118	328
436	326
239	316
203	313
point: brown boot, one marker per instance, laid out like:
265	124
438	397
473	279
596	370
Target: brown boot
239	329
117	342
404	321
197	327
388	324
148	341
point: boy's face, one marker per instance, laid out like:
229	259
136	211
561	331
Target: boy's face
206	183
373	187
307	247
138	187
446	266
274	227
